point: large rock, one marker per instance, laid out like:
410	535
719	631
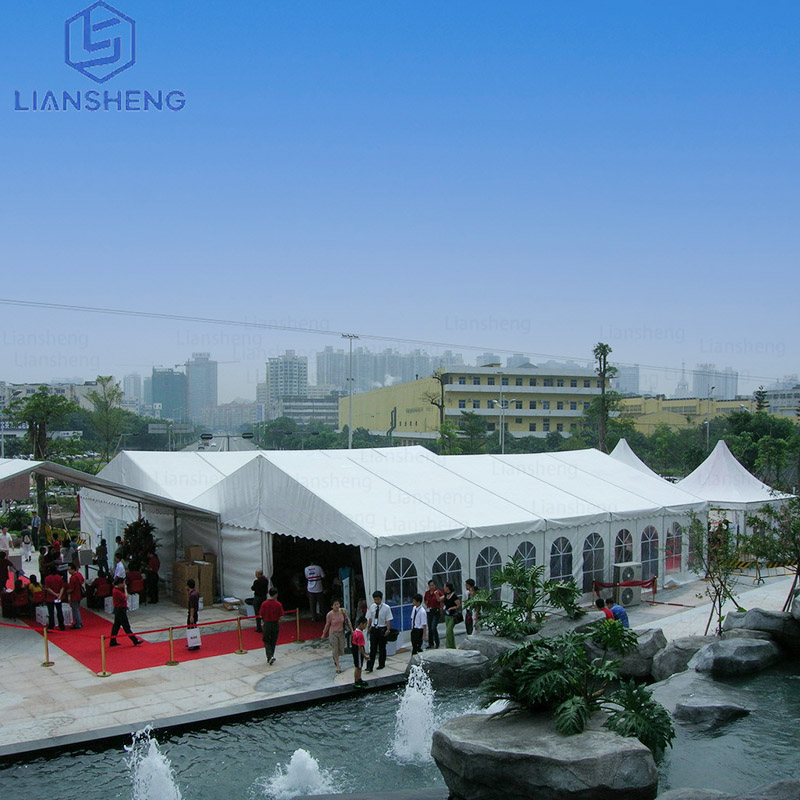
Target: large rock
521	756
487	643
696	699
454	668
639	663
676	655
733	657
744	633
557	624
782	790
780	625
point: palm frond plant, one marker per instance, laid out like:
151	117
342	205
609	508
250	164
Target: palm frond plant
533	599
557	676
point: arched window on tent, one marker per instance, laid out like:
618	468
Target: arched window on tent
649	553
526	552
623	547
592	561
488	562
447	569
401	586
673	548
561	560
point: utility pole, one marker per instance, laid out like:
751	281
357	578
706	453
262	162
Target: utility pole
350	337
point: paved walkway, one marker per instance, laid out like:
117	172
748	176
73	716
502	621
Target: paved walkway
67	704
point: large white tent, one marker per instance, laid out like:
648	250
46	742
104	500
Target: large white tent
411	513
624	452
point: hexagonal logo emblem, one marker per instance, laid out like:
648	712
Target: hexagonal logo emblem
100	42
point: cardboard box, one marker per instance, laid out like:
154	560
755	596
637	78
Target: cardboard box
181	572
194	552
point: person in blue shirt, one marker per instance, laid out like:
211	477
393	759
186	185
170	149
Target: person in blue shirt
619	612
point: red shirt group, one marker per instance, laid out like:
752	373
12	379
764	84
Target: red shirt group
55	583
75	584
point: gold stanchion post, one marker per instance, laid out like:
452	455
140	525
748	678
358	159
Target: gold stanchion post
47	662
104	673
172	662
297	620
241	651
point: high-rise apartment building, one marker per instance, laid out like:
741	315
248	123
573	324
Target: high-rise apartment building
169	393
626	381
287	376
708	381
201	385
132	389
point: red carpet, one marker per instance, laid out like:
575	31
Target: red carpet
84	645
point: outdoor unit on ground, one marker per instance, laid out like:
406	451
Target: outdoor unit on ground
628	571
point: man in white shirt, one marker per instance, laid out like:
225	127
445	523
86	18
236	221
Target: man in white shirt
5	541
379	623
419	625
119	568
314	575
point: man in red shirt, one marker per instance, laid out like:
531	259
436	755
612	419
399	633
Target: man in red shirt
270	612
54	589
75	591
119	599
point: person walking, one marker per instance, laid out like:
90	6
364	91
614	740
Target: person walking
379	623
359	651
75	591
271	612
101	559
470	616
119	599
54	588
260	590
36	522
314	575
419	624
433	604
151	577
452	611
27	545
5	540
336	622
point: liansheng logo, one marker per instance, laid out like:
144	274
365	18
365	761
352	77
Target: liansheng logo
100	43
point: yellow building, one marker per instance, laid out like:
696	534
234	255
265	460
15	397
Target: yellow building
648	413
531	401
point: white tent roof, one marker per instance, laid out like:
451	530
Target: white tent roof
624	453
723	481
402	494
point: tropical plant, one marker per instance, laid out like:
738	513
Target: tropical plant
532	599
557	676
137	543
776	537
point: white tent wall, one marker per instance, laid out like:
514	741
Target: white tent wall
242	555
165	534
105	513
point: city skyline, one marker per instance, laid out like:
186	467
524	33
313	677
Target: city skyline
519	179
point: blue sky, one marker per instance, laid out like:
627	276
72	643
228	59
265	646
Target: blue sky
528	176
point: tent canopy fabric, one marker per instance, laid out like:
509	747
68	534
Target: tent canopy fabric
399	495
624	453
723	481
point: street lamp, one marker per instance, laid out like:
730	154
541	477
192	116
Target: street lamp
350	337
708	417
503	407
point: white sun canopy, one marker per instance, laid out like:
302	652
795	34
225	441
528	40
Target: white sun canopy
724	482
624	453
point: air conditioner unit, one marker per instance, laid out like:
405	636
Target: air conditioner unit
624	572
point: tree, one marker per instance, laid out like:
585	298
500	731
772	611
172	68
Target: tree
137	543
437	398
714	554
557	676
108	415
771	458
472	429
776	537
39	412
532	599
760	398
448	443
606	400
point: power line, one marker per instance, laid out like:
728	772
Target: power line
337	334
